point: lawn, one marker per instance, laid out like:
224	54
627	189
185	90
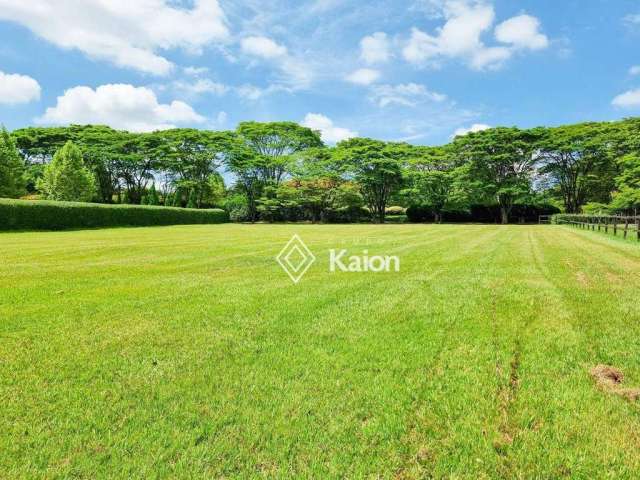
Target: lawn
186	352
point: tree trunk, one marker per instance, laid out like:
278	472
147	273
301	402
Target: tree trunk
504	215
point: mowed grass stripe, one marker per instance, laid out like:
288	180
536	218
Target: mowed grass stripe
225	368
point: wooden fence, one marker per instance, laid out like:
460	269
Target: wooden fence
614	224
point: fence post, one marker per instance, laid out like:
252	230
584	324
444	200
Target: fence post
615	227
638	227
626	227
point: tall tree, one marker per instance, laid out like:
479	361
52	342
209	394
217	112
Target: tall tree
193	157
431	179
12	169
276	143
375	166
500	164
577	159
66	177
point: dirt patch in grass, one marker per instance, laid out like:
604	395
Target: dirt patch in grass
610	379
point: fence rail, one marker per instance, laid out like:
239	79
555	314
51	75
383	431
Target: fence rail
615	224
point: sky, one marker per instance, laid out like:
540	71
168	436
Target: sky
419	71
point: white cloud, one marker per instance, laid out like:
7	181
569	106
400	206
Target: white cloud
476	127
120	106
490	58
635	70
124	32
330	133
466	22
262	47
630	99
195	71
199	87
364	76
250	92
375	48
408	95
15	89
294	74
522	31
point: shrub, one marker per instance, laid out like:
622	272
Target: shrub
395	210
193	199
352	214
420	214
50	215
66	178
236	207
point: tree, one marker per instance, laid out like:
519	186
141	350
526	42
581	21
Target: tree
12	170
66	178
193	199
500	164
577	160
375	166
152	196
193	157
431	179
276	143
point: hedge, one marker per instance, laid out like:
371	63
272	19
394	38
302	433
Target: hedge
520	213
48	215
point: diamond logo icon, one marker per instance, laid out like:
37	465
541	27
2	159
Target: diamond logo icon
295	258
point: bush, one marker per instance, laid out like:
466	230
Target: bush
51	215
353	214
395	210
420	214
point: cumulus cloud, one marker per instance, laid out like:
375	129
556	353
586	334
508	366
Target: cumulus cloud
293	73
522	31
123	32
635	70
476	127
120	106
630	99
407	94
262	47
375	48
15	89
364	76
461	37
330	133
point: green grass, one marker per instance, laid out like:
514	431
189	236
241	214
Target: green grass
185	352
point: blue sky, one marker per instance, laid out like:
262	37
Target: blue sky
411	70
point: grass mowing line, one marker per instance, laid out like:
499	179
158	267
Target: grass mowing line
226	374
576	358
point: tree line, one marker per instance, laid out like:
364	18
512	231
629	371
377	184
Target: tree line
282	171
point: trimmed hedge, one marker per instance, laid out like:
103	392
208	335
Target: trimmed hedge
49	215
482	214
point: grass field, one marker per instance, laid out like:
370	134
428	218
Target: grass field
187	352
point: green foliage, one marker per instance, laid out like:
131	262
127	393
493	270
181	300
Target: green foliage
48	215
500	162
12	170
236	206
177	198
192	202
375	166
66	178
152	197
